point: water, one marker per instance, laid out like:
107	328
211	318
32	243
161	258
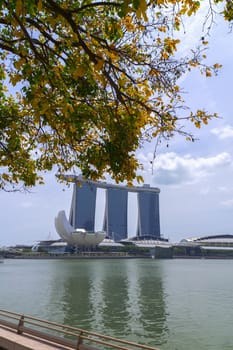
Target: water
172	304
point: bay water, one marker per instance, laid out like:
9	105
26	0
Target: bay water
172	304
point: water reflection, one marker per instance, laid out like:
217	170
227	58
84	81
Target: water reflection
123	298
152	302
134	299
75	286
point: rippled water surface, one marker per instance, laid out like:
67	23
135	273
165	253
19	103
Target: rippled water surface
172	304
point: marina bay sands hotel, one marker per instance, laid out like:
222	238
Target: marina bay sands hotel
115	214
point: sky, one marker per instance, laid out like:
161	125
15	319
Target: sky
195	179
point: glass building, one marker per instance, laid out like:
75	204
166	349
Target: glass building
116	224
116	211
82	211
148	216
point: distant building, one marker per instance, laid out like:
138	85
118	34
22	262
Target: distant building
148	219
51	247
80	228
115	219
214	240
82	211
211	246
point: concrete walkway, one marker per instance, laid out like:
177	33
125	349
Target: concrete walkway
10	340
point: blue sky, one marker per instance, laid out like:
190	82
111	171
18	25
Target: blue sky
195	179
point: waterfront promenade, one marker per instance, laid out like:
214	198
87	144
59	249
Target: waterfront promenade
10	340
23	332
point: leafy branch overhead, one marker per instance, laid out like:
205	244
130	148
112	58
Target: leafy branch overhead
85	83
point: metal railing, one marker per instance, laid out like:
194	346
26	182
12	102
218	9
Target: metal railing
73	337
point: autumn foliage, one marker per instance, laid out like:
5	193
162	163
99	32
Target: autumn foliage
85	83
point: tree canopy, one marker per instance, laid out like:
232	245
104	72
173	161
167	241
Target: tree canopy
84	83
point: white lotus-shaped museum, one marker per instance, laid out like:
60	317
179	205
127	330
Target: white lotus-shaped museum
77	237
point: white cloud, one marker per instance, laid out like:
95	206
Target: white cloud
173	169
227	203
205	191
222	188
223	132
26	204
226	188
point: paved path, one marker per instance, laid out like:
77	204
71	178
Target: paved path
10	340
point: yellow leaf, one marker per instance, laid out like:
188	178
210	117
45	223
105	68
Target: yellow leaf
39	5
72	128
19	7
99	64
143	7
217	65
141	11
162	29
44	108
19	63
80	72
164	55
198	124
129	24
15	78
139	179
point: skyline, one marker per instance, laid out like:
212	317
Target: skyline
195	179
